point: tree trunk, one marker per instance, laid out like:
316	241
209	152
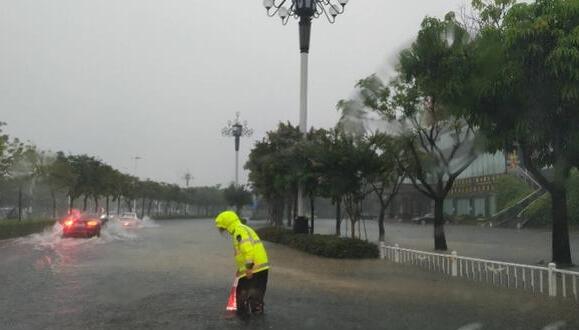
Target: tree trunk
149	207
381	230
439	237
312	213
561	250
338	216
119	205
96	204
295	212
289	207
70	203
107	204
84	203
353	228
278	212
53	196
143	209
20	203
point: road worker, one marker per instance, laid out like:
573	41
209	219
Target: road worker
251	261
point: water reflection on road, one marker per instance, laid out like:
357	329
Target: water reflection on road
529	246
176	276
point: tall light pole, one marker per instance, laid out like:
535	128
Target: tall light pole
237	130
305	10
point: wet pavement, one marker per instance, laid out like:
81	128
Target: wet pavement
177	276
527	246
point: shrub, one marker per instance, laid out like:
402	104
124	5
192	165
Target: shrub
540	211
321	245
15	228
510	190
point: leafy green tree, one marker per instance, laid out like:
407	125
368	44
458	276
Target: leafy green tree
341	164
523	92
323	151
336	168
237	196
210	199
275	166
82	169
59	175
438	145
118	183
107	176
385	173
10	150
148	192
190	195
357	171
490	13
26	169
129	191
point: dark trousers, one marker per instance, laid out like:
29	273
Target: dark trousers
250	293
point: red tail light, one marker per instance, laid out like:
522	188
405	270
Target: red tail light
68	223
92	223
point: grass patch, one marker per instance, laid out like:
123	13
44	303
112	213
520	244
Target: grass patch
15	228
321	245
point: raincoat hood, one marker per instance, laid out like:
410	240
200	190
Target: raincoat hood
227	220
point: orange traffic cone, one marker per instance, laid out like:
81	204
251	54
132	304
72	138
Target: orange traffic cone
232	301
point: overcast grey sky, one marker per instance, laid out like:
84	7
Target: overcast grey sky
159	79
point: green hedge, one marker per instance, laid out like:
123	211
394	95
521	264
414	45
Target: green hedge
510	190
15	228
539	212
321	245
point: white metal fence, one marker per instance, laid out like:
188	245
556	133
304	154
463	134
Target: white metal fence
541	280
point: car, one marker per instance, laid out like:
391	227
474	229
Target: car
423	219
129	219
81	226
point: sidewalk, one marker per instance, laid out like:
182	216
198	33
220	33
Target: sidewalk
526	246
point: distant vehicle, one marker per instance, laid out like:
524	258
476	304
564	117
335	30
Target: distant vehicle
81	226
129	219
423	219
8	213
105	218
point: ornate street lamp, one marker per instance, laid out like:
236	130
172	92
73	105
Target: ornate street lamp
237	130
305	10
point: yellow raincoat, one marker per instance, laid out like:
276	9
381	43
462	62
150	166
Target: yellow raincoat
249	250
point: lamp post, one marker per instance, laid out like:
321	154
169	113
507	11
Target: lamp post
237	130
304	10
187	177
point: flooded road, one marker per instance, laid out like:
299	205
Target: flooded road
527	246
176	275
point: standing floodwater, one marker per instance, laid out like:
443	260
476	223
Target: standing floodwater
178	275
